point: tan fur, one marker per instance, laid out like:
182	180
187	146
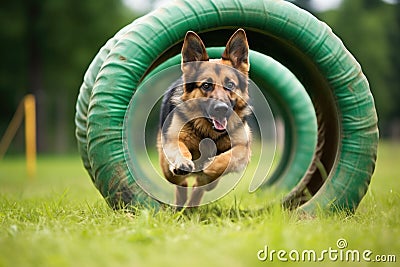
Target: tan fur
181	144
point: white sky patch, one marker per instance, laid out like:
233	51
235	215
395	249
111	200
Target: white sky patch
161	3
144	6
141	6
323	5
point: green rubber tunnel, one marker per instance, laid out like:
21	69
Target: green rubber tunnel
328	111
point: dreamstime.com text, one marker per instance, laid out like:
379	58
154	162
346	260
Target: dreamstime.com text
339	253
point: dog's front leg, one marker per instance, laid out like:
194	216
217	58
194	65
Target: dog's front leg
179	158
233	160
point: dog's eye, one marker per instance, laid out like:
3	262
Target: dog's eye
206	86
230	86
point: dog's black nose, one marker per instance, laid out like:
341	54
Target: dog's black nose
221	109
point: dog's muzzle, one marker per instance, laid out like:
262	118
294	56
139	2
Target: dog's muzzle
219	114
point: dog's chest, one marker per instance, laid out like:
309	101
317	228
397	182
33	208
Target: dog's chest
192	142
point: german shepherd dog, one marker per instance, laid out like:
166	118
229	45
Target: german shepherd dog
209	102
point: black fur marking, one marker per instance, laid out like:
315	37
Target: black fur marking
189	87
217	69
243	82
191	77
238	52
233	103
167	105
193	49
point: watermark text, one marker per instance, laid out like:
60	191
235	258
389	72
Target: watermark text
339	253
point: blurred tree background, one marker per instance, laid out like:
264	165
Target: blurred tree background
46	47
370	29
48	44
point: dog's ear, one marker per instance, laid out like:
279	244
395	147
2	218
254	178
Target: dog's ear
237	51
193	48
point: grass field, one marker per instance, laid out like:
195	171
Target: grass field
59	219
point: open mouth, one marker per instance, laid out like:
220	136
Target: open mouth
219	124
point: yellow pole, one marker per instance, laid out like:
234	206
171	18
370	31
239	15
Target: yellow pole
11	130
30	134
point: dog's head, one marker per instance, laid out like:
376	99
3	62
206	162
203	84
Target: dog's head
221	84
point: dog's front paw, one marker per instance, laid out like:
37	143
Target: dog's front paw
182	166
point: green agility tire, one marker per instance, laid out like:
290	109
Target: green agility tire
306	46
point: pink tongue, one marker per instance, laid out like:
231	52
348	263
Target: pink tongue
220	125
